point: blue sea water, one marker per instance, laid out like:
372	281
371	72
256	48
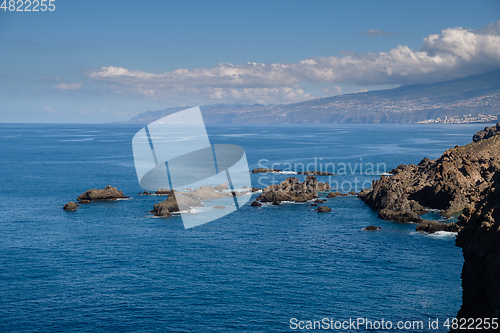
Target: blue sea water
111	267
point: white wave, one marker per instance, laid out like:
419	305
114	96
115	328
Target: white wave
78	140
437	234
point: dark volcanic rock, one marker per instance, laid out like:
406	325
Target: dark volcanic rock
255	204
449	183
480	243
108	193
292	189
372	228
487	133
70	206
175	203
164	191
323	209
264	170
336	194
434	226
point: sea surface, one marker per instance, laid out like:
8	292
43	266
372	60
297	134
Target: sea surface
112	267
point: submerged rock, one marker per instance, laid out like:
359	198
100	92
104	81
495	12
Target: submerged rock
219	207
108	193
255	203
70	206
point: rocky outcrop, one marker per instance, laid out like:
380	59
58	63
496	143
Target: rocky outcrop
336	194
323	209
293	190
372	228
487	133
70	206
108	193
449	183
435	226
183	201
480	243
264	170
175	203
255	203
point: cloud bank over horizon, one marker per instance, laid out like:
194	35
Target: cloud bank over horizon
453	53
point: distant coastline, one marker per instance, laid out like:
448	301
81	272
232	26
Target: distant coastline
470	99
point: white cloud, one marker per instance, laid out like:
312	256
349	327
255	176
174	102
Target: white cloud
454	53
68	86
378	33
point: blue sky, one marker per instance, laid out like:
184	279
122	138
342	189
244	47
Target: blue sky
99	61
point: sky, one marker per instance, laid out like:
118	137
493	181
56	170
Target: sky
103	61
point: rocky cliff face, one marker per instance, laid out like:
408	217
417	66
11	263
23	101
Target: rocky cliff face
480	241
464	179
450	183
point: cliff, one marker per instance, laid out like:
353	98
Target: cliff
450	183
480	243
467	180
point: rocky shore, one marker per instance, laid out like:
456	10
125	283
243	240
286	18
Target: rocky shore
466	181
480	243
450	183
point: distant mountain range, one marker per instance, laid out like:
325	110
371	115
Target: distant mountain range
474	94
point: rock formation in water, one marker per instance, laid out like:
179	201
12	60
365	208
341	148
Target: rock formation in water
175	203
450	183
183	201
108	193
480	243
70	206
323	209
292	189
336	194
265	170
372	228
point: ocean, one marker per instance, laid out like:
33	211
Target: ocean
112	267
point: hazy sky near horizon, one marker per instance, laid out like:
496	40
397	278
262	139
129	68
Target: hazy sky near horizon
100	61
